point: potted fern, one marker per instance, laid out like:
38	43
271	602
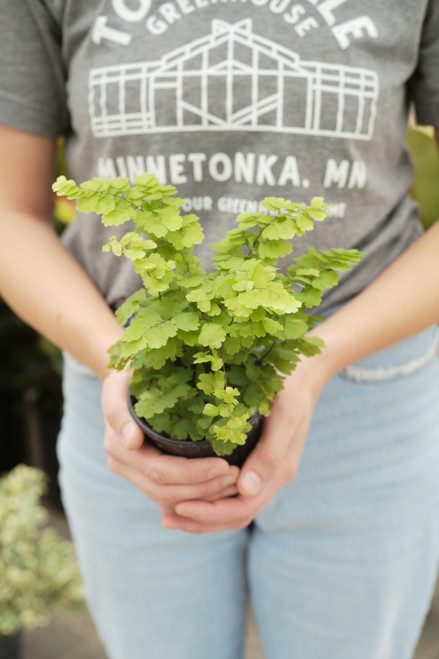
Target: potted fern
38	568
209	351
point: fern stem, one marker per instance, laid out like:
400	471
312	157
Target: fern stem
224	368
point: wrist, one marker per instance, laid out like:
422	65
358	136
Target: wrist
333	355
315	372
102	368
95	353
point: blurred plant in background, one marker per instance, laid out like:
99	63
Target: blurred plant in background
38	568
63	209
425	188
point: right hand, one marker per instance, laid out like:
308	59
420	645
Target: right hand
167	480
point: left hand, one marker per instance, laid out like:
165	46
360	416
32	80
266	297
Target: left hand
271	465
165	479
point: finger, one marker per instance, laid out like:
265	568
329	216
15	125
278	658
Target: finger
116	412
233	512
228	492
209	517
168	469
167	496
279	430
175	523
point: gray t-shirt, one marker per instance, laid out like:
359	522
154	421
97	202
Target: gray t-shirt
231	101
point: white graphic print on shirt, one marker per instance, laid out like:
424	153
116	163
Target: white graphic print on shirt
233	79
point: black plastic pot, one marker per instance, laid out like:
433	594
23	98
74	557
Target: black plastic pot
202	449
10	647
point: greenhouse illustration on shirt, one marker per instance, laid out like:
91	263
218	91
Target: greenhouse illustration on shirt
233	79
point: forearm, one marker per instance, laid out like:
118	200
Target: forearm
403	300
48	289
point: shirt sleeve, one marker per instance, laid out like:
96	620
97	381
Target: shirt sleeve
32	80
424	84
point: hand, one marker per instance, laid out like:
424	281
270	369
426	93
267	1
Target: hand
166	480
271	465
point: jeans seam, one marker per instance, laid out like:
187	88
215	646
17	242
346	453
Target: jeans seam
384	373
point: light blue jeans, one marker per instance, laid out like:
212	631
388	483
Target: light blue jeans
340	565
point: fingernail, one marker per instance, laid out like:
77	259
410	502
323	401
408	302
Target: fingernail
168	525
251	482
181	510
217	471
229	492
229	480
129	434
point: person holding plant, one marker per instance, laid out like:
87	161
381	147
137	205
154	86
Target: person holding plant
332	523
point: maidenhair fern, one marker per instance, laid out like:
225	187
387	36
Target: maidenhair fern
208	351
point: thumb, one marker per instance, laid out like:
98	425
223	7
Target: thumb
116	411
271	452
